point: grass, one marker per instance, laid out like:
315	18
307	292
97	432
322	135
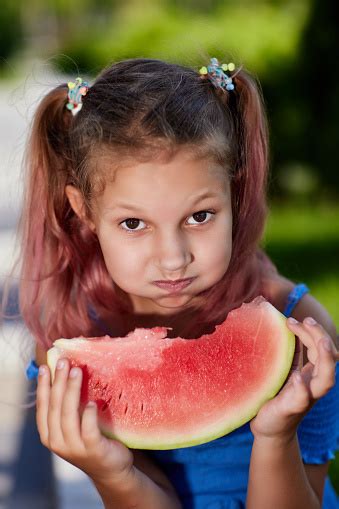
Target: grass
304	244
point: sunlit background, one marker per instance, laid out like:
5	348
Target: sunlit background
291	46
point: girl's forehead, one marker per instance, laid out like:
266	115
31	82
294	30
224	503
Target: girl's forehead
182	169
165	185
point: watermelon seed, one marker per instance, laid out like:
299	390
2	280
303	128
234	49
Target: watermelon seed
106	404
120	395
126	409
142	407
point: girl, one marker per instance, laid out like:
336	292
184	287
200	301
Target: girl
145	206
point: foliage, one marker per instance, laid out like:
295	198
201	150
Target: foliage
304	243
150	29
11	33
282	42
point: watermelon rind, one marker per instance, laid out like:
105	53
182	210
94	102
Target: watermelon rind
60	345
53	355
223	425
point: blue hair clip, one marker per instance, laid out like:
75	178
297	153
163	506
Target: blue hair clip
217	74
32	370
75	93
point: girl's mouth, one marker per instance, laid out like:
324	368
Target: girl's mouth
174	286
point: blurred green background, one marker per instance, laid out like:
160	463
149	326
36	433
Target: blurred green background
291	46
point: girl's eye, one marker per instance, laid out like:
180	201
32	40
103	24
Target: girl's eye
201	216
132	223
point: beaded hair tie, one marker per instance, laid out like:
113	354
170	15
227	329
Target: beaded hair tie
217	74
75	93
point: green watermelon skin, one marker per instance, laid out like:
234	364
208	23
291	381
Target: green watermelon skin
155	392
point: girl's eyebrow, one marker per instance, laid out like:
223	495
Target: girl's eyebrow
200	197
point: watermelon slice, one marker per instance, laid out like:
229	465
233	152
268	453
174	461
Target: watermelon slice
155	392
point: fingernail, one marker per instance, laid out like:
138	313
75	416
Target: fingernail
60	364
91	404
310	321
292	320
42	371
74	372
327	344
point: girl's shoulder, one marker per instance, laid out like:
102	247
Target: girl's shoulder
279	288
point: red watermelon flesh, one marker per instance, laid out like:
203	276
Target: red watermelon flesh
155	392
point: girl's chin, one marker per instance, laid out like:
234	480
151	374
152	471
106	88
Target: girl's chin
162	305
178	302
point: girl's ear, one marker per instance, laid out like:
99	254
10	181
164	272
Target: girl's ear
77	203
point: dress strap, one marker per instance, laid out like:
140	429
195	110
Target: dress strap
294	297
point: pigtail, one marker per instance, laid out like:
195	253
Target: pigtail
48	255
249	187
42	158
250	178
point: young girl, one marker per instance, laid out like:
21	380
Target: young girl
154	174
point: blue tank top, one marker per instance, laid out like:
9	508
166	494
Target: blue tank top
215	475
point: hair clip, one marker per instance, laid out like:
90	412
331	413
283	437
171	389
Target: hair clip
75	93
217	74
32	370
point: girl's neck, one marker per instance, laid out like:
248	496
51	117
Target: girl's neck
128	320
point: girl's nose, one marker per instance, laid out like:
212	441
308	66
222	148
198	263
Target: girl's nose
174	253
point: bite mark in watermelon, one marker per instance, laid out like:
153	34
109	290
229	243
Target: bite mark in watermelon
155	392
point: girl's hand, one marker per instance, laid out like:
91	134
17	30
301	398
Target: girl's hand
280	416
76	439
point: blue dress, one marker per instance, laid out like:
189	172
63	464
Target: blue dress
215	475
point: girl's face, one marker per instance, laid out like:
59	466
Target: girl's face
165	221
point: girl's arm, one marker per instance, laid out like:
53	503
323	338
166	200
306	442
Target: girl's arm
136	491
278	477
147	481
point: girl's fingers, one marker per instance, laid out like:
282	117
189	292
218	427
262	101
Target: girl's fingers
42	403
70	419
111	454
301	396
56	438
299	329
324	378
297	362
309	333
295	398
90	432
316	330
320	333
